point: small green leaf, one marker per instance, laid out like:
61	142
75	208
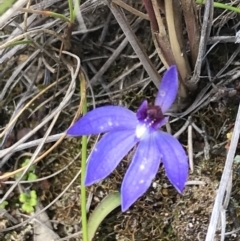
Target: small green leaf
33	194
23	197
107	205
3	204
25	163
33	202
32	176
27	208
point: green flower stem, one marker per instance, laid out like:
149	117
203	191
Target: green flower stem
107	205
83	188
221	5
71	10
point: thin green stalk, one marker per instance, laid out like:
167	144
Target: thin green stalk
20	43
71	10
83	188
221	5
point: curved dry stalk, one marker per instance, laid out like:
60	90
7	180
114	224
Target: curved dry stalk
53	115
59	137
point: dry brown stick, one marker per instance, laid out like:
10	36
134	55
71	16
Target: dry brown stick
192	26
147	64
152	16
205	33
190	148
161	36
131	9
174	23
224	180
26	16
107	64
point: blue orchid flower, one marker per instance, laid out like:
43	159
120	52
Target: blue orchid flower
124	129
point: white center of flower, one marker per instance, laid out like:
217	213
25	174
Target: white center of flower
141	130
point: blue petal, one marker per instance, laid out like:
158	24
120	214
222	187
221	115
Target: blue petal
109	151
141	171
104	119
168	89
174	159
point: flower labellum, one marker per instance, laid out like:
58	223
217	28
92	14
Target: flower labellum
124	129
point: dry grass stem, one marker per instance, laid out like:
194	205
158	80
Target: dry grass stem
166	54
147	64
205	33
174	23
224	180
192	26
131	9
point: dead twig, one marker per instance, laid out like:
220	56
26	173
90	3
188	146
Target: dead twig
192	26
147	64
205	33
224	180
